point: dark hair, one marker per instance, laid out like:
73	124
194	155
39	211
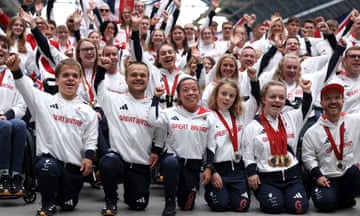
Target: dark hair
179	84
293	19
184	42
6	40
136	63
157	63
67	62
105	24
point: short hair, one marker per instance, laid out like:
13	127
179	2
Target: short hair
67	62
136	63
52	22
236	108
351	49
5	40
293	19
310	21
226	23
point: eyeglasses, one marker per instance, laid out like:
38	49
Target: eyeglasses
353	56
86	49
104	10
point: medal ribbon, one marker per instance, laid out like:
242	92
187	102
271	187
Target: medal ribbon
90	90
167	89
2	75
233	135
338	153
277	140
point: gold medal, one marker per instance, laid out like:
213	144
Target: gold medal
282	160
287	160
92	104
273	161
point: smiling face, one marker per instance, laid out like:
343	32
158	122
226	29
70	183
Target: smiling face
68	80
189	94
291	70
4	50
292	45
167	57
178	36
112	53
273	100
226	96
332	103
227	68
87	53
137	78
207	36
351	62
17	27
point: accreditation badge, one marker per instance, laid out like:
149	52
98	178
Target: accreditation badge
287	160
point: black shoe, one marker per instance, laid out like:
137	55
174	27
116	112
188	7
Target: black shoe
110	208
16	186
5	185
46	211
348	203
170	208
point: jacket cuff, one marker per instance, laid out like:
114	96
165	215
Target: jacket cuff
17	74
10	114
89	154
251	170
316	173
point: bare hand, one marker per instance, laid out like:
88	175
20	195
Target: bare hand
324	28
104	62
206	176
159	91
13	62
254	182
86	167
39	5
215	4
177	3
27	17
252	73
154	159
305	85
135	20
90	14
165	16
323	181
216	181
342	42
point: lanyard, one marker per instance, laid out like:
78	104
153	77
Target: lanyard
277	140
233	135
338	153
167	89
90	90
2	75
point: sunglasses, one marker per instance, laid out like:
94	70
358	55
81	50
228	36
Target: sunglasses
104	10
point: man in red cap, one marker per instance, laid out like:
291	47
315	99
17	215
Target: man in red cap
328	153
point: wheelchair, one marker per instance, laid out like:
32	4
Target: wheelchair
29	183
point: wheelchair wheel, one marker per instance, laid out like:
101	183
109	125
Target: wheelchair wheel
29	197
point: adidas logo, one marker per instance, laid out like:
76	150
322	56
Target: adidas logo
298	196
175	118
54	106
141	200
69	202
124	107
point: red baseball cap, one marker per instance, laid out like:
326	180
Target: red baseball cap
335	86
